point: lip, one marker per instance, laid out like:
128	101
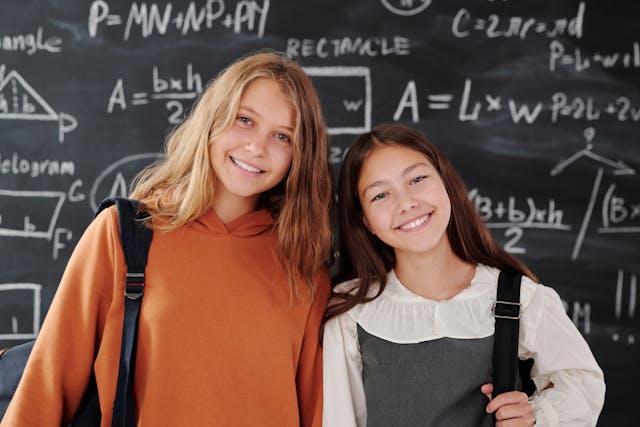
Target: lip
244	165
415	224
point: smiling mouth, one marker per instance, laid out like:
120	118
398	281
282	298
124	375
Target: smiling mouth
242	165
415	223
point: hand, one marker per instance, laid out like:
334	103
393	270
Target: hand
512	409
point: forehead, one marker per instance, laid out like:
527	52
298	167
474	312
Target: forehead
267	97
387	164
390	160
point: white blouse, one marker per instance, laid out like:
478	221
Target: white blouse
561	355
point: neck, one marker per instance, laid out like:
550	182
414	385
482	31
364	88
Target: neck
229	209
438	276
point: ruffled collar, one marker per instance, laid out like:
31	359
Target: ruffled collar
401	316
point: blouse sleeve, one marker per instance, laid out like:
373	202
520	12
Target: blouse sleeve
344	398
569	383
61	361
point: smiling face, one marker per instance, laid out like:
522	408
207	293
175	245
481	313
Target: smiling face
404	201
255	154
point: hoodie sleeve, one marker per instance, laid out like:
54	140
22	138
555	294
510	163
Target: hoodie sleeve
309	375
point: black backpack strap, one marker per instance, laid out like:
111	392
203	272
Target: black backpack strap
507	327
136	239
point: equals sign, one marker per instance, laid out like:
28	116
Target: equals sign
114	20
140	98
440	101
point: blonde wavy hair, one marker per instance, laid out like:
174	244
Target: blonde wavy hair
179	187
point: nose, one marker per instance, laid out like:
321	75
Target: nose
406	202
256	146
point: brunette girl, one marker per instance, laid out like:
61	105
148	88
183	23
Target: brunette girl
409	339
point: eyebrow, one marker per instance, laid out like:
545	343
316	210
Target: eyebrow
404	173
255	113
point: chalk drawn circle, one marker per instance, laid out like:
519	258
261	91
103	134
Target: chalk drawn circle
144	158
406	7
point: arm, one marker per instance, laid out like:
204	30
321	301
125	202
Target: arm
344	398
569	383
60	364
309	375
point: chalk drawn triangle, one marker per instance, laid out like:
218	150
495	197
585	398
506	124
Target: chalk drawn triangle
18	100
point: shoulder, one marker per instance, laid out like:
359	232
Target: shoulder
104	227
535	295
531	292
322	286
352	286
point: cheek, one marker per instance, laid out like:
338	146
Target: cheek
445	204
284	158
373	220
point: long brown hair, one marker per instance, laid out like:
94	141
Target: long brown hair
179	188
366	257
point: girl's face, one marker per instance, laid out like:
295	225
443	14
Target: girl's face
404	200
255	154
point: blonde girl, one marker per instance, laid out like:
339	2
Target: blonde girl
236	281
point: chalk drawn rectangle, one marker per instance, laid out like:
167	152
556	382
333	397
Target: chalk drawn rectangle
345	94
29	213
19	310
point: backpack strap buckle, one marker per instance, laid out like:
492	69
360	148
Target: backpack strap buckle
506	310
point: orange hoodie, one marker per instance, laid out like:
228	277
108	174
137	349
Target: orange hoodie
219	343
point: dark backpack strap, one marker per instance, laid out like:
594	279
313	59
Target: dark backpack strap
507	327
136	239
12	363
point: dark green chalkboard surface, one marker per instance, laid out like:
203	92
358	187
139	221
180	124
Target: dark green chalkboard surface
536	102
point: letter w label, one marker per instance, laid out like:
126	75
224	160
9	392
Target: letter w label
520	111
351	105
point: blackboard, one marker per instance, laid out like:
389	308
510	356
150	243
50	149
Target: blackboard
537	103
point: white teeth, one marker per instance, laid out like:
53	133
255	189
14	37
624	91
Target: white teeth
415	223
245	166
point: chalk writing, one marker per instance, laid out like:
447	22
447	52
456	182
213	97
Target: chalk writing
21	211
30	43
514	216
17	165
494	25
633	294
625	304
580	314
503	214
345	115
112	181
172	89
618	167
406	7
152	19
578	60
19	101
21	304
343	46
619	215
472	107
614	209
